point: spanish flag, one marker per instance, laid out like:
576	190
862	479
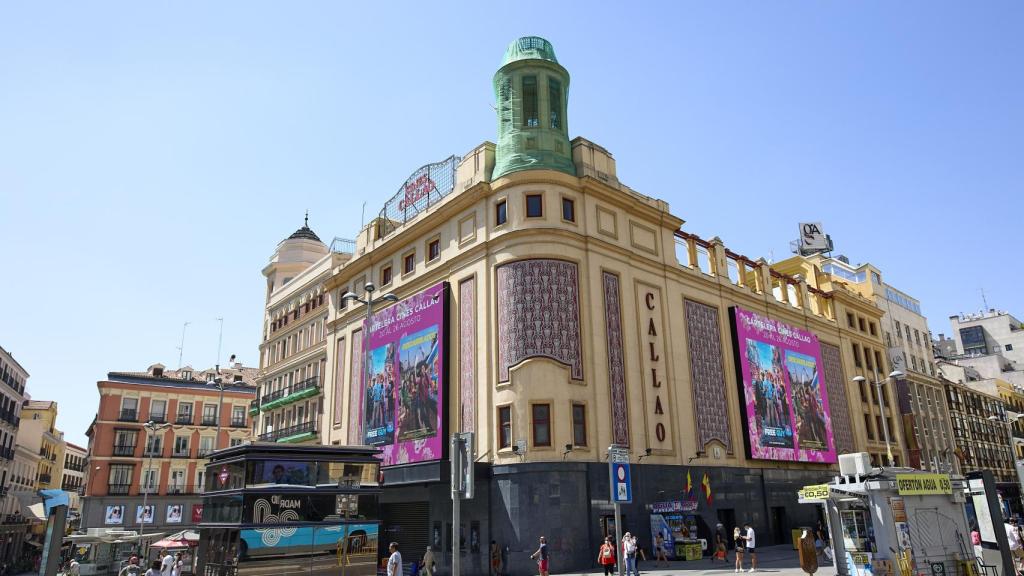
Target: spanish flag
706	485
688	489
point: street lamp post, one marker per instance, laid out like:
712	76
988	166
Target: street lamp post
219	383
151	428
1008	418
369	302
895	374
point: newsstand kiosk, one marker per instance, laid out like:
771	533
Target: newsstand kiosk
898	521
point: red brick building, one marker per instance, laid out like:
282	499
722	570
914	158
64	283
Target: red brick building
162	463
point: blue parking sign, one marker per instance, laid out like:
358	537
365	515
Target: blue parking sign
622	488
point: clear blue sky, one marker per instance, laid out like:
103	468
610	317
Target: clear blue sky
153	154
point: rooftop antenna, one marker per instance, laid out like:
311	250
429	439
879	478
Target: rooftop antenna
362	216
181	349
220	336
983	299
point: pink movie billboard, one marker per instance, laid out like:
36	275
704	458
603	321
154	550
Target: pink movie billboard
787	411
403	401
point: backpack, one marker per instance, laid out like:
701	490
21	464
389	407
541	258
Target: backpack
606	551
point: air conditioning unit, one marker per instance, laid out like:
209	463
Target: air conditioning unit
858	464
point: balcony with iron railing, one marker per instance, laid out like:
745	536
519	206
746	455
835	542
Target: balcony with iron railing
183	418
204	452
293	393
254	407
176	489
158	418
124	450
238	423
209	420
128	416
297	433
181	453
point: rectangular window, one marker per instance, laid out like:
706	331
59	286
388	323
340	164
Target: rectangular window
568	210
385	276
899	331
579	425
434	250
500	214
235	441
849	320
209	414
531	113
238	416
867	427
149	481
205	445
409	263
541	424
184	413
555	102
534	206
860	323
181	446
856	356
504	427
872	329
158	410
154	445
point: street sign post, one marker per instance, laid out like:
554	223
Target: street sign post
462	458
621	487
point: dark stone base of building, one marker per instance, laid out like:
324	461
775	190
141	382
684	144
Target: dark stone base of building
568	502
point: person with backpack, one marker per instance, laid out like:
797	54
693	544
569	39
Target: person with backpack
606	556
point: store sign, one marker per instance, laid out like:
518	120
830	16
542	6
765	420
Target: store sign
812	237
787	409
674	506
922	484
815	492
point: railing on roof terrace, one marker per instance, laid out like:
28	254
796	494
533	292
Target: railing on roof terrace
713	259
424	188
343	246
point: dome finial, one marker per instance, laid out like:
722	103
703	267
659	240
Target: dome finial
306	223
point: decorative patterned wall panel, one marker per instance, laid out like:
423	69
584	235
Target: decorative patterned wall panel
616	361
355	391
704	336
835	383
339	379
538	314
467	353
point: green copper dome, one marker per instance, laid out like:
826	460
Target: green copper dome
529	48
531	89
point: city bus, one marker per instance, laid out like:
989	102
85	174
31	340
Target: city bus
280	510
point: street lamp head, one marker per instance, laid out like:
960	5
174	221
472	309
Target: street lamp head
349	296
369	287
896	374
389	297
858	379
994	418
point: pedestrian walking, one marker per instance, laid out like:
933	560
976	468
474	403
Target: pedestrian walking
541	555
1013	538
659	551
395	560
721	548
428	562
629	553
738	544
606	556
495	558
750	539
154	568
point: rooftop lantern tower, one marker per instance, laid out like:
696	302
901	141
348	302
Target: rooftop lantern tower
531	88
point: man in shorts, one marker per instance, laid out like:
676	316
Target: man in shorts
750	542
541	555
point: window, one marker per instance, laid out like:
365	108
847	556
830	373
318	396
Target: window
872	329
579	425
531	116
235	441
555	102
184	413
385	276
129	407
124	442
177	482
541	424
504	427
860	322
238	416
154	445
849	320
500	214
856	356
205	445
534	206
434	250
209	414
917	337
568	210
200	480
181	446
867	427
158	410
149	480
409	263
899	332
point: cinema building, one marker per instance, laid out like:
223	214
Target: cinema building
553	311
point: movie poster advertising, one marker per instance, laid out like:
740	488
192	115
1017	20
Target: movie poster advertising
114	515
786	401
403	399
